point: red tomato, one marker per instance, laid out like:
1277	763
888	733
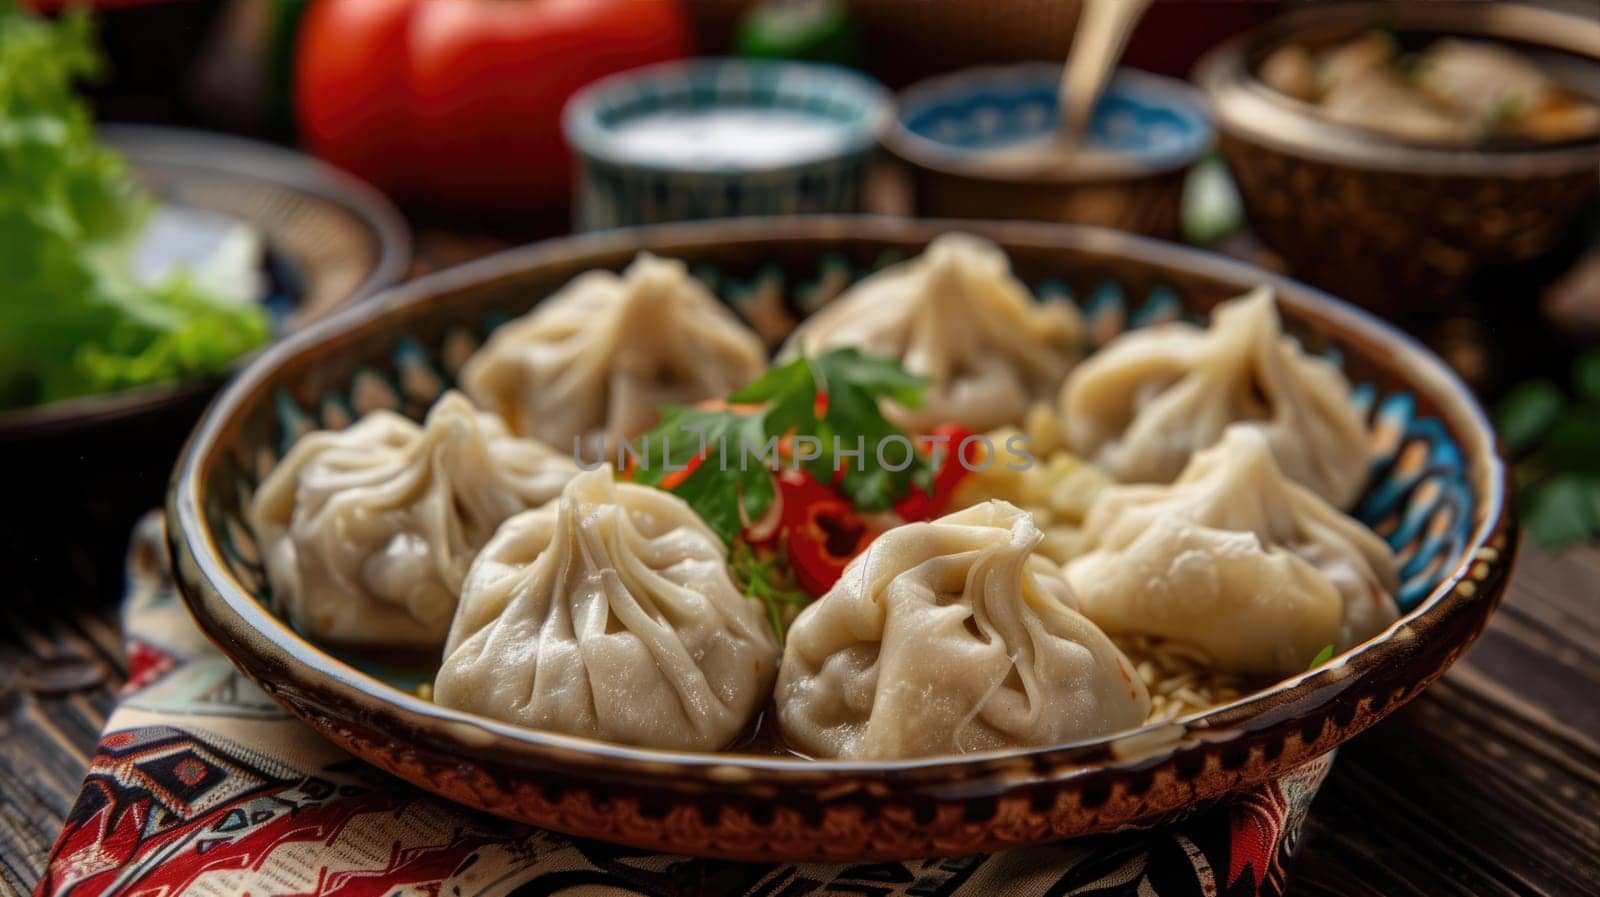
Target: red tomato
457	103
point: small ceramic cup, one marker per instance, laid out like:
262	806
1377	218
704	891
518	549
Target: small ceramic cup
967	137
717	138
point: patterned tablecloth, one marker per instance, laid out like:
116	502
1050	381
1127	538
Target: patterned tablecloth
203	786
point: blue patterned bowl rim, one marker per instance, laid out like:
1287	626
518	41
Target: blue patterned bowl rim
841	95
198	555
948	121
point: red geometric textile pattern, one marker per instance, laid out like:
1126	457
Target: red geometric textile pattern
1255	828
202	786
146	664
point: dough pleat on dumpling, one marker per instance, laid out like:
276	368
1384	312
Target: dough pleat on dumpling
1151	398
595	362
956	315
367	532
1235	558
610	613
950	637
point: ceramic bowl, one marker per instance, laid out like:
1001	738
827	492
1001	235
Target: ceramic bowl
1401	228
830	115
330	239
1438	495
80	471
952	129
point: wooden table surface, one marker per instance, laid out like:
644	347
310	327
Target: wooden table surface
1487	784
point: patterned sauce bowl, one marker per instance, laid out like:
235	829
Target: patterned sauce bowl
715	138
1438	494
957	133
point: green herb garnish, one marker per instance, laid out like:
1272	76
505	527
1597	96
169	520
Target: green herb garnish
1322	657
835	394
769	580
1507	109
73	319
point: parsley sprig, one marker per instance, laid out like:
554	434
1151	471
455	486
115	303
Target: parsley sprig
769	580
833	397
1323	656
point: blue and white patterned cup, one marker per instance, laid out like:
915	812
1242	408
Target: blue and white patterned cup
717	138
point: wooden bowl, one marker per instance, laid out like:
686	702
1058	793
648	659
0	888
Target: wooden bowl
1401	228
1438	494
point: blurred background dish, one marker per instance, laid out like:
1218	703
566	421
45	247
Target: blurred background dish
716	138
970	139
1398	225
1449	91
324	238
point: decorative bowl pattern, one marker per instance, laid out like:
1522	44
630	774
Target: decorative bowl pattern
1398	227
616	189
1147	130
1438	495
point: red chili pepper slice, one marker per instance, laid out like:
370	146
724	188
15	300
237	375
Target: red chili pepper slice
800	490
675	479
820	529
920	505
830	536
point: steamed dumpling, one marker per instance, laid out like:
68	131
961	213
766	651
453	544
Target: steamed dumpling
611	614
950	637
1379	100
1501	89
1236	559
1370	52
957	316
1455	92
1481	77
594	363
367	532
1151	398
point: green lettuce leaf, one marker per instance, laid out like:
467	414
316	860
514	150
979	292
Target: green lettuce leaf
73	319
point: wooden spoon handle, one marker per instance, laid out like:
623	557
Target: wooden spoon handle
1103	30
